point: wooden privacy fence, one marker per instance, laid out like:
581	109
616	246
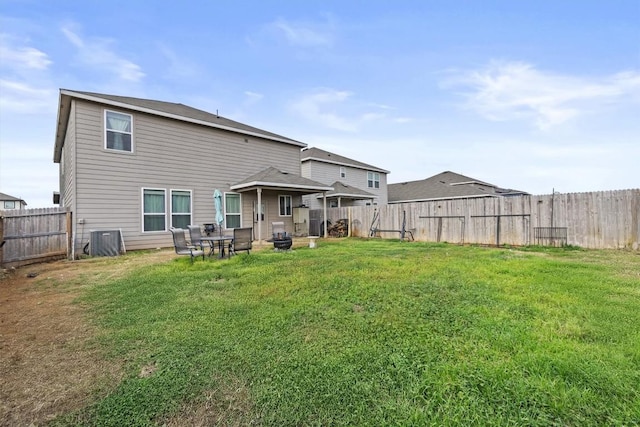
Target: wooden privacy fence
34	235
598	220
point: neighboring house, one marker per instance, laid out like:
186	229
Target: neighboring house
443	186
355	183
9	202
143	166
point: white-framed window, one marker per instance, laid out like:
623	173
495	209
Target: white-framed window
154	209
343	172
373	180
232	210
333	203
180	208
118	129
284	202
9	204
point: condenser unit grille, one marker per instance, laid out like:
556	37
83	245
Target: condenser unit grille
105	243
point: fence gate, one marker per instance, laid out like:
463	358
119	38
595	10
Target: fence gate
29	236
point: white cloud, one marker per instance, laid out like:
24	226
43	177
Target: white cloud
504	91
21	97
320	107
253	97
179	66
338	110
304	34
20	57
99	53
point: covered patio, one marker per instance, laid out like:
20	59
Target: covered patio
342	192
270	184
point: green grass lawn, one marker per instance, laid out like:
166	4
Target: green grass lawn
375	333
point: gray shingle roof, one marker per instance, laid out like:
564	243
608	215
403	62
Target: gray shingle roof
7	197
319	155
343	190
445	185
275	178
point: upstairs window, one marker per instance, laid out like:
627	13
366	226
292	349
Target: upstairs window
285	205
118	130
343	172
373	180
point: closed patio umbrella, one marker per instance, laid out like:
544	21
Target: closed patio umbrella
217	199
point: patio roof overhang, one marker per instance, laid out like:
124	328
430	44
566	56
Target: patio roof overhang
274	179
348	196
344	191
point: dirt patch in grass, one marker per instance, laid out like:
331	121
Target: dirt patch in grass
47	364
228	405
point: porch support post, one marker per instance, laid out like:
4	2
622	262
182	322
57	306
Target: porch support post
324	208
259	190
339	202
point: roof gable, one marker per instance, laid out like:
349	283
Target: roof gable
159	108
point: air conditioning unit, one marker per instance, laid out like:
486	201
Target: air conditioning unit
105	243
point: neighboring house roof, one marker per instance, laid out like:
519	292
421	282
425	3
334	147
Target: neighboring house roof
445	185
348	192
272	178
327	157
159	108
5	197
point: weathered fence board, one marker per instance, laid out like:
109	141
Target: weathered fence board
33	235
598	220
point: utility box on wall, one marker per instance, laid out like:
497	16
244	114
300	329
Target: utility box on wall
105	243
300	221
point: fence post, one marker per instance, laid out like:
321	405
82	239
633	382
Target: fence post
69	235
1	240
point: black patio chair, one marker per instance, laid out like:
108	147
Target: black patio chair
181	245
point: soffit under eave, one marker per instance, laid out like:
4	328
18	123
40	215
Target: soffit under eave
64	110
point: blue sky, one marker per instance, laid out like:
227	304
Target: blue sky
531	95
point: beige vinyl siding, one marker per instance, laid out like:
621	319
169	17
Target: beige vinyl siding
270	199
328	173
168	154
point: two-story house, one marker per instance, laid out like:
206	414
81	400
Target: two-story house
354	183
446	185
143	166
10	202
